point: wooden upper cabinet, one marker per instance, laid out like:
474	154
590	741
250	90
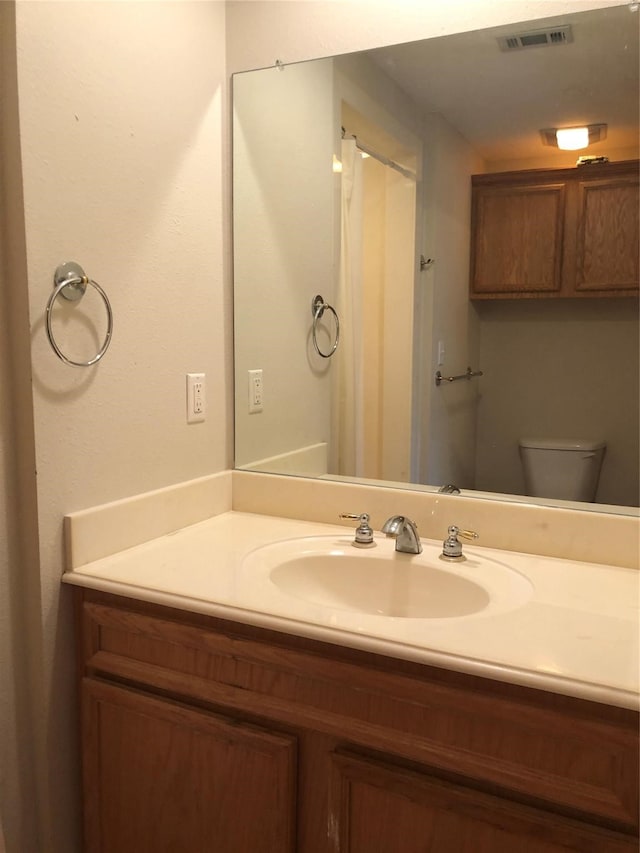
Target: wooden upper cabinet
555	233
517	239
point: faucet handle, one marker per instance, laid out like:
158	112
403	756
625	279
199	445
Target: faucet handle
451	547
364	532
466	534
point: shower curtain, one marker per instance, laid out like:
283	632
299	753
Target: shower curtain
347	390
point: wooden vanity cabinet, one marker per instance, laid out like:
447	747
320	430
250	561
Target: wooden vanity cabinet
206	736
556	233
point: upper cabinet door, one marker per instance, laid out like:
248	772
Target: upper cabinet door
517	239
607	235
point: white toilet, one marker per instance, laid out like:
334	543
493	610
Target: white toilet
561	468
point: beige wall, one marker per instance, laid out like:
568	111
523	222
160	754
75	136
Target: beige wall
124	129
17	752
260	32
22	791
121	112
18	745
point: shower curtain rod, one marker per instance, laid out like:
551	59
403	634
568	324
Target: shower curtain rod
380	157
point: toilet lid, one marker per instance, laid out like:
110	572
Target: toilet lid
562	443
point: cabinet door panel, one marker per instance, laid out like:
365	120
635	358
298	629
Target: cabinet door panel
162	778
517	234
607	250
380	808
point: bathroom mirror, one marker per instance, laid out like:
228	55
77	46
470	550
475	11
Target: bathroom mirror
312	210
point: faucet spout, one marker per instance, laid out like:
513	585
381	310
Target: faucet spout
404	532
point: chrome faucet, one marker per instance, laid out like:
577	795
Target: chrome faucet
405	533
449	489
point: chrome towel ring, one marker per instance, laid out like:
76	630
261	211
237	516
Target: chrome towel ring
70	281
318	307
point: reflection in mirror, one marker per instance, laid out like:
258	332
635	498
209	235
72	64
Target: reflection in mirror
352	179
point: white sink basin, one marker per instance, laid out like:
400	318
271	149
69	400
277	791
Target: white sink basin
329	571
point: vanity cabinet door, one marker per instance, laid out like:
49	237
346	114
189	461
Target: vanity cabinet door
607	235
517	239
381	808
160	777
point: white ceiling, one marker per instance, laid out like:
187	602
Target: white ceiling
499	100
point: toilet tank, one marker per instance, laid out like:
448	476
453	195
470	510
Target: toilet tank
566	469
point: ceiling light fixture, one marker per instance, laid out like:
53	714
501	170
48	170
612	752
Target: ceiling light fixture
573	138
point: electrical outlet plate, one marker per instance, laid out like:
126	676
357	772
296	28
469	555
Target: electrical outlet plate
196	399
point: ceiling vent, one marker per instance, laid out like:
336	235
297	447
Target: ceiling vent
536	38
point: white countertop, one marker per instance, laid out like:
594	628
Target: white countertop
577	635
